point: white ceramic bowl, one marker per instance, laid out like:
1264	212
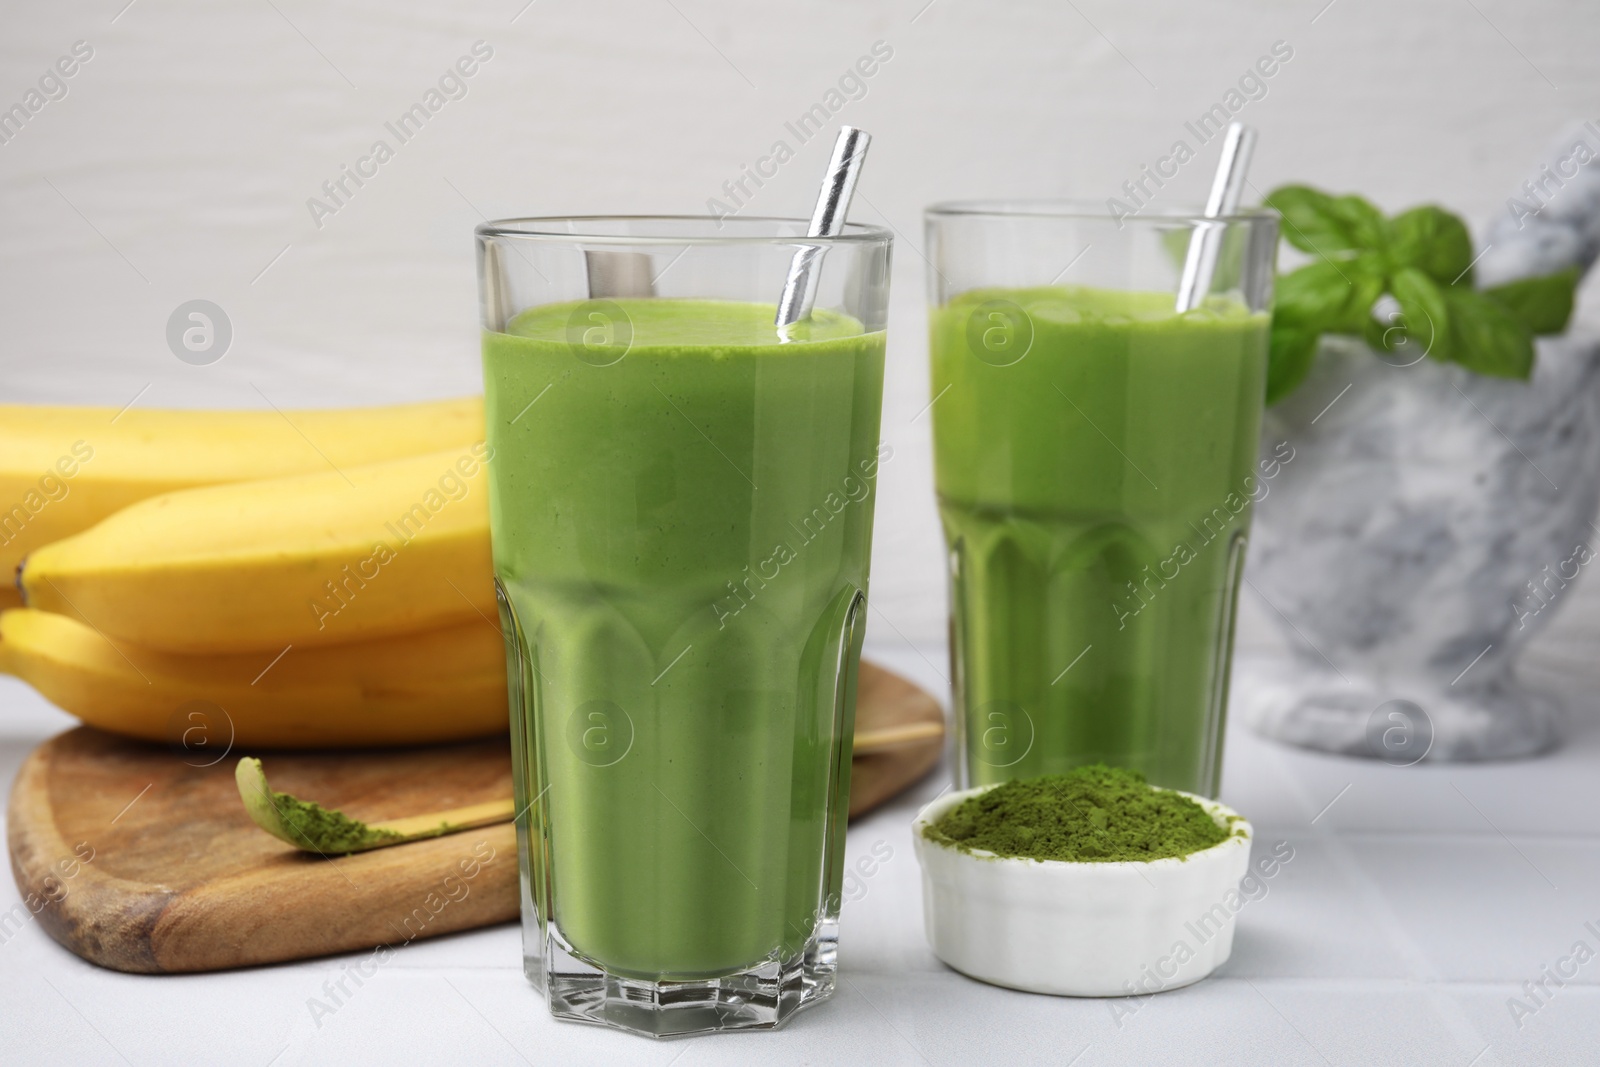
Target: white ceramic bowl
1081	929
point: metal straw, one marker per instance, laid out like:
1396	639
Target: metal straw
1227	189
827	220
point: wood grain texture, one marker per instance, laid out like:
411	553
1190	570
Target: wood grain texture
138	860
178	879
885	700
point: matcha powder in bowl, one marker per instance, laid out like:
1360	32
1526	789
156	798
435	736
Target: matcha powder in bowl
1091	883
1094	814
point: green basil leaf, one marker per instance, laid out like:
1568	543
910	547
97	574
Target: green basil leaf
1324	225
1541	305
1331	297
1367	283
1313	295
1424	315
1485	337
1289	359
1362	221
1433	241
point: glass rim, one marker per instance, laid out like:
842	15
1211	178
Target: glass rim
1086	210
542	228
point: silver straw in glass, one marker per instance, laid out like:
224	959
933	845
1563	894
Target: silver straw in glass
827	220
1227	189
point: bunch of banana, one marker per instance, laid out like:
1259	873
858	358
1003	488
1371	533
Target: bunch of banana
344	599
63	469
437	685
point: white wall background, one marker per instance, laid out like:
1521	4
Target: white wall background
179	164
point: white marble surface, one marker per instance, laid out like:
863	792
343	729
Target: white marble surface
1418	901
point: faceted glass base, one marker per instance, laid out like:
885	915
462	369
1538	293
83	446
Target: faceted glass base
760	998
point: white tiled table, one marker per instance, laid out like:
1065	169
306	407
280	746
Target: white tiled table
1414	907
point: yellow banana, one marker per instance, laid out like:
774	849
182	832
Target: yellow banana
441	685
317	559
63	469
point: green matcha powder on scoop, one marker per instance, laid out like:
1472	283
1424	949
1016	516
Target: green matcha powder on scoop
324	830
1094	814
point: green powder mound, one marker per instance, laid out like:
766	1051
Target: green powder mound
316	827
1094	814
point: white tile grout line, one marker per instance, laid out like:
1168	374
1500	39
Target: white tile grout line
1276	1011
1455	1020
1379	985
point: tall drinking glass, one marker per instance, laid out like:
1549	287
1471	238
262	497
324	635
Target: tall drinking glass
681	506
1095	456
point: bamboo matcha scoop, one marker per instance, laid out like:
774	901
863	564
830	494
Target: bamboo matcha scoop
311	827
308	825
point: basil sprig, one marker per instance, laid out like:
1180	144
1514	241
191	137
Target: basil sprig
1423	259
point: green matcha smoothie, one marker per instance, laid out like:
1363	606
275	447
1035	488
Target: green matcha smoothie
681	511
1094	459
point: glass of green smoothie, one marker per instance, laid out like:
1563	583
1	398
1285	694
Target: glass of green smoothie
681	504
1095	456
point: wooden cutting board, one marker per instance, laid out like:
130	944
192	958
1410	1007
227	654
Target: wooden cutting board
138	860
